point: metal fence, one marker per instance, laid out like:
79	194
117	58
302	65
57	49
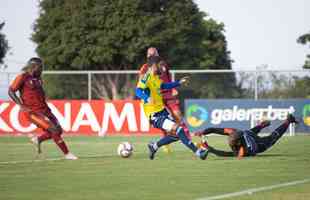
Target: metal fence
223	84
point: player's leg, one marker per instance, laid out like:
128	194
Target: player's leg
38	140
157	121
39	120
52	129
167	148
202	153
174	109
163	121
260	126
57	131
181	133
266	142
162	142
33	138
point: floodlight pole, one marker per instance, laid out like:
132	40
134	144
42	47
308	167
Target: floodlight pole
172	76
256	86
89	86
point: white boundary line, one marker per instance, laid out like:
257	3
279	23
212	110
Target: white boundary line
57	159
29	161
254	190
53	159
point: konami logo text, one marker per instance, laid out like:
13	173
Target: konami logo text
82	117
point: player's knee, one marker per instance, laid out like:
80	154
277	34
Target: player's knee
178	128
174	129
59	130
55	130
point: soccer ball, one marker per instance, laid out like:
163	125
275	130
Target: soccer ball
125	149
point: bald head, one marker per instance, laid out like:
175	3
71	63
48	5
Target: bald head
152	51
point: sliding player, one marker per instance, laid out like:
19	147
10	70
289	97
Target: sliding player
33	105
148	90
170	96
247	142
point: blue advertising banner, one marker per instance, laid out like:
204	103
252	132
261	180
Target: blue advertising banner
245	113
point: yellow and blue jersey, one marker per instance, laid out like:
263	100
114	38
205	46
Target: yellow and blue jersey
151	86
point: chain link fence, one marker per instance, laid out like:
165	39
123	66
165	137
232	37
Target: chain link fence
213	84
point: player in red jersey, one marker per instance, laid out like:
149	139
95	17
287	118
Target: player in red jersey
33	105
170	97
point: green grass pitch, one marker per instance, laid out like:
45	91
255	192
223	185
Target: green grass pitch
100	174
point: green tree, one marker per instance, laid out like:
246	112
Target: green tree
302	84
273	85
114	35
4	47
214	56
304	39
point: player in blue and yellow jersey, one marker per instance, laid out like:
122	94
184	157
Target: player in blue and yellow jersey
149	91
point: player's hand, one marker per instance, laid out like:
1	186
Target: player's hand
184	80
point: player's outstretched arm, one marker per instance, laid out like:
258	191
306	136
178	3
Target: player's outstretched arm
170	85
220	153
214	130
240	153
174	84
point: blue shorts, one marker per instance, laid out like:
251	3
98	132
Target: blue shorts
162	120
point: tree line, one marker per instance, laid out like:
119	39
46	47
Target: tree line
114	35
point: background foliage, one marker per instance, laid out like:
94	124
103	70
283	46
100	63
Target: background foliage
114	35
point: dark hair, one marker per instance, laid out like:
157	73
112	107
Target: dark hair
234	138
35	60
31	63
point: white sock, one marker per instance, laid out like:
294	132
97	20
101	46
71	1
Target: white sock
155	146
198	152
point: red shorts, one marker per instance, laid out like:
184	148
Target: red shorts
42	119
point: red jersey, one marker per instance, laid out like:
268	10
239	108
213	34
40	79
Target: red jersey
165	77
31	91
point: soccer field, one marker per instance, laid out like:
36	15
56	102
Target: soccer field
281	173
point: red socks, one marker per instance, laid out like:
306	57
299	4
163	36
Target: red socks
44	136
60	143
186	130
57	139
